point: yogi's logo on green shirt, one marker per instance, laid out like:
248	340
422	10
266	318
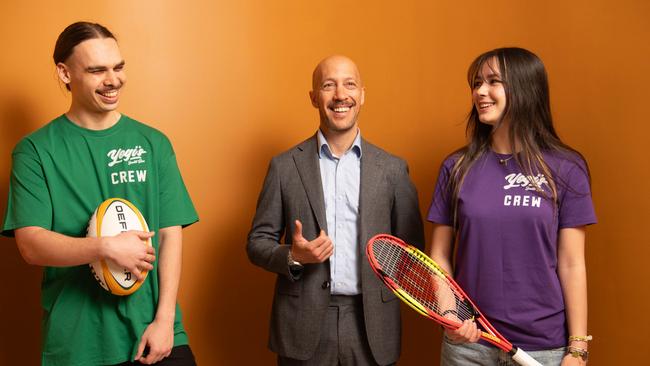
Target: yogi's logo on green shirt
130	156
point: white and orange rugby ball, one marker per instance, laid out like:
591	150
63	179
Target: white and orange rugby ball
113	216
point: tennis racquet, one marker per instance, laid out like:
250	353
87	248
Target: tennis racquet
426	287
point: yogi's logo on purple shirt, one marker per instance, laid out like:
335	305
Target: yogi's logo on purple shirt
529	183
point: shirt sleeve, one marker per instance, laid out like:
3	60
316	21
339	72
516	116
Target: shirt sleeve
576	207
176	207
29	202
439	210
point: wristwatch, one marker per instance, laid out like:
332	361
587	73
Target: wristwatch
294	265
578	353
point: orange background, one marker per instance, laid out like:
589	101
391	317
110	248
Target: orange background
227	81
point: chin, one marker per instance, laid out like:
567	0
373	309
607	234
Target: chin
488	121
343	125
341	128
108	107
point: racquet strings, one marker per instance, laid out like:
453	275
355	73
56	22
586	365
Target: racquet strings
424	283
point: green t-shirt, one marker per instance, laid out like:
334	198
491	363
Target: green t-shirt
60	174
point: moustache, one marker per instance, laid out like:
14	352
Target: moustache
342	104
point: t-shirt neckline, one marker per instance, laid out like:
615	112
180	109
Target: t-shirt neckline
97	133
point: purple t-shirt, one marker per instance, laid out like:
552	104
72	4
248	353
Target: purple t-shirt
506	258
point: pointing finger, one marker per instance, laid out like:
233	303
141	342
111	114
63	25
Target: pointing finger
143	343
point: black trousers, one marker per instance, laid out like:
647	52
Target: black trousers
180	356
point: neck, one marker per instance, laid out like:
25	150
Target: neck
340	142
93	120
501	140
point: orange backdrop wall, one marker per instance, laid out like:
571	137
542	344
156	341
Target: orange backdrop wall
227	81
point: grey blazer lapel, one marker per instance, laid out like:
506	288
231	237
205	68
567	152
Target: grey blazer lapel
370	175
306	159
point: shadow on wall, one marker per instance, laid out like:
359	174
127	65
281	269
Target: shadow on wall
238	310
20	310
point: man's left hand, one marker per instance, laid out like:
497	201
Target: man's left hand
158	337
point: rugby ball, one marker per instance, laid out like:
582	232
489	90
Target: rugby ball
113	216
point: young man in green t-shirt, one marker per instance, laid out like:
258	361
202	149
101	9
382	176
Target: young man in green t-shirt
60	174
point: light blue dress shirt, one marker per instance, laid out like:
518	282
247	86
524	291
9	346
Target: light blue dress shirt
341	179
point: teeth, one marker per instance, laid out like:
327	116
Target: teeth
485	105
341	109
109	94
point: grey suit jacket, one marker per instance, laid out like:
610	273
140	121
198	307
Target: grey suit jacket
388	203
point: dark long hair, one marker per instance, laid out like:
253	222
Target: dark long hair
74	34
528	112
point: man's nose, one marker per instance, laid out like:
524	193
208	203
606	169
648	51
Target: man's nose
341	93
111	79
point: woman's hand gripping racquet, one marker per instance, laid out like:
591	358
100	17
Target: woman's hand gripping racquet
426	287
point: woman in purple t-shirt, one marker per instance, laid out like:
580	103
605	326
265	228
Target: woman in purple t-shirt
516	201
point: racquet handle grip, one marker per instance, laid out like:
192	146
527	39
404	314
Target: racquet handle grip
524	358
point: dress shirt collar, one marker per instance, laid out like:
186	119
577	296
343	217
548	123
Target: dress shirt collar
324	147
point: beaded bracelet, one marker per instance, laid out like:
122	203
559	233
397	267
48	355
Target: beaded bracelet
578	352
586	338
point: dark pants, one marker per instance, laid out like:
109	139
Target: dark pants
180	356
343	338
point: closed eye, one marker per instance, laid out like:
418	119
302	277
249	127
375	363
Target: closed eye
120	66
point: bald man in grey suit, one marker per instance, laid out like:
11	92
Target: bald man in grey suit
322	200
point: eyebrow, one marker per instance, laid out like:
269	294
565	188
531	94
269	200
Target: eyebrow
348	79
103	68
491	74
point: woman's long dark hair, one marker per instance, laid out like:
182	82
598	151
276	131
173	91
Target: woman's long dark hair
528	112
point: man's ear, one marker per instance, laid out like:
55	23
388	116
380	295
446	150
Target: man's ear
312	97
63	72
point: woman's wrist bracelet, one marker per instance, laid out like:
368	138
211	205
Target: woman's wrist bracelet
578	352
585	338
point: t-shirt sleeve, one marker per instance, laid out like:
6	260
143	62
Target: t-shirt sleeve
176	207
29	202
576	207
439	210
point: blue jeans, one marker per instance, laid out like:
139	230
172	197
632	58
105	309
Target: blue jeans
480	355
